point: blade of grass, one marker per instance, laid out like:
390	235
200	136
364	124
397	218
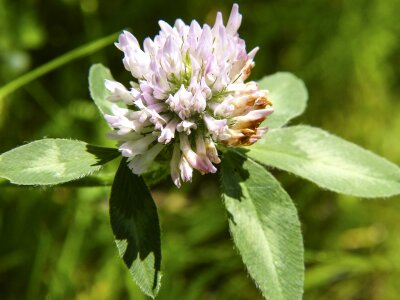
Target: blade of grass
79	52
63	279
43	252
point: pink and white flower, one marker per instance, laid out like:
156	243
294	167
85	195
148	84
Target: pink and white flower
188	92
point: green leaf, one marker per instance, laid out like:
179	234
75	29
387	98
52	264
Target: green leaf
288	95
52	161
327	160
97	74
134	221
265	227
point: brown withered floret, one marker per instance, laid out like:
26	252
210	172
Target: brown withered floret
246	133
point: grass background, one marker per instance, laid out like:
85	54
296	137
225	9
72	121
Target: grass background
56	243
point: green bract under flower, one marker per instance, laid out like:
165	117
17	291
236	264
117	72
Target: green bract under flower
189	92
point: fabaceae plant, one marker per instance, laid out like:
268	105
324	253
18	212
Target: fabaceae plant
189	89
189	108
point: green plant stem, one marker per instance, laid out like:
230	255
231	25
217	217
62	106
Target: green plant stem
56	63
90	181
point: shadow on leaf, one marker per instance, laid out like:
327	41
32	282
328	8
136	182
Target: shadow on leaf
233	172
135	224
103	154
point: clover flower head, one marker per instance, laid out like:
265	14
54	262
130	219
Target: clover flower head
188	95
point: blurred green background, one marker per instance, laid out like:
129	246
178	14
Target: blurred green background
56	243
